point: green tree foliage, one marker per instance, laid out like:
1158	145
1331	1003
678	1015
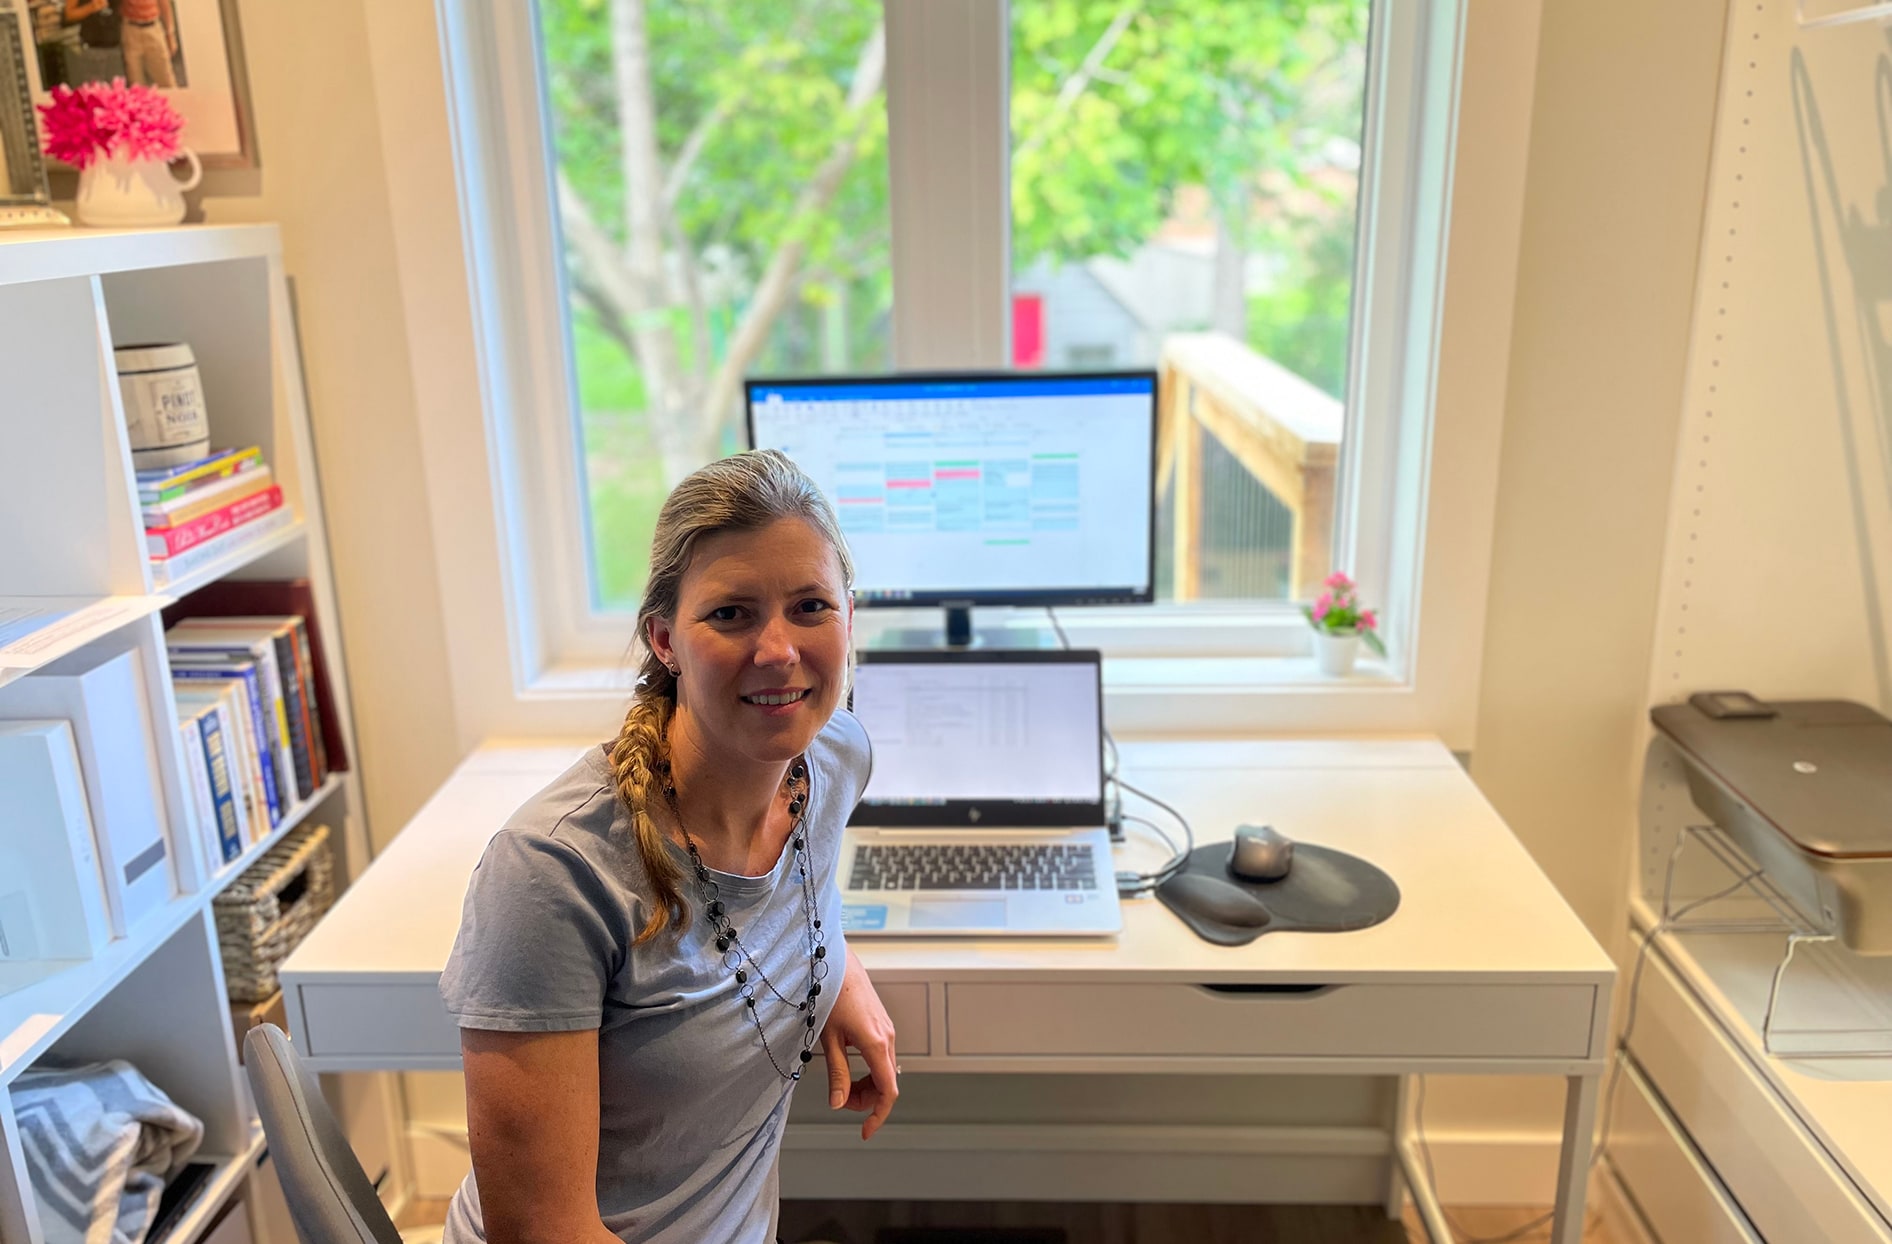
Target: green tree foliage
1117	104
766	240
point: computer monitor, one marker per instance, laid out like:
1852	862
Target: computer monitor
986	488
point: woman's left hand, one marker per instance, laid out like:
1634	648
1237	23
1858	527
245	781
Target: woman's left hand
860	1021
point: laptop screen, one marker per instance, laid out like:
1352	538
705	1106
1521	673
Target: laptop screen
992	739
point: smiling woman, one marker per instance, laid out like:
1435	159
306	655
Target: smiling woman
651	949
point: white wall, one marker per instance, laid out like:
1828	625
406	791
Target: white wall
323	179
1620	135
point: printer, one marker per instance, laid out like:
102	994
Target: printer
1805	788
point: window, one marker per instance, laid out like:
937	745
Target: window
1185	187
722	194
1252	198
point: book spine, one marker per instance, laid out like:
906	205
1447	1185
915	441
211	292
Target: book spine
260	725
169	570
222	795
163	542
203	498
295	712
312	706
203	807
165	482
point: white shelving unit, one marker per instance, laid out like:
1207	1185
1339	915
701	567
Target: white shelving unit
156	996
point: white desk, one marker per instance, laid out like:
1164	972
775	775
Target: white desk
1484	970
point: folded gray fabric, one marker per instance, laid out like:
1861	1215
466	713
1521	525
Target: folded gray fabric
100	1143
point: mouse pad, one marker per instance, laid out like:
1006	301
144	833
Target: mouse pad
1326	891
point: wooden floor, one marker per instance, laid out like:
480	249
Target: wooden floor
860	1222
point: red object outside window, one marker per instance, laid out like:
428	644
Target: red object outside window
1028	330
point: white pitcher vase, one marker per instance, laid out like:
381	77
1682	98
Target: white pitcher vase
115	192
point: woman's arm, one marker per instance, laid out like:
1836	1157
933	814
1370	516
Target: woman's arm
78	10
859	1020
532	1123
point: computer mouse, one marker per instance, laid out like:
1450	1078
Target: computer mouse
1262	853
1215	899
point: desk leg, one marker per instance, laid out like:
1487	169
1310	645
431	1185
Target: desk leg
1398	1129
1573	1165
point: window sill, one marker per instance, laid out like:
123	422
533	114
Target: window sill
1155	695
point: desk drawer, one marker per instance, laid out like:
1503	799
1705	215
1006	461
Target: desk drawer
1783	1178
1676	1192
368	1021
1342	1021
410	1021
906	1007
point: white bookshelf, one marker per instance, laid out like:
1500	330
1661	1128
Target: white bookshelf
156	996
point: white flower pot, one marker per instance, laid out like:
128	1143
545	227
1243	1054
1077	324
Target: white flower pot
1336	651
118	193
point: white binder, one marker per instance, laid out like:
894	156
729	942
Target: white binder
105	700
52	904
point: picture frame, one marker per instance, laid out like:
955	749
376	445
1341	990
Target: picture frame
25	197
191	50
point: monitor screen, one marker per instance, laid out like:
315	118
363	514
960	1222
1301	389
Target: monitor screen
997	489
1016	734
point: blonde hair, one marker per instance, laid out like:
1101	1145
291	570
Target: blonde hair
740	493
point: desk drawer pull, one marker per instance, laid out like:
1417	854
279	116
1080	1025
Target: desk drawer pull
1271	991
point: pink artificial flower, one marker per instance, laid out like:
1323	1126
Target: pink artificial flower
145	123
1367	620
71	125
1324	603
1339	581
110	119
1320	608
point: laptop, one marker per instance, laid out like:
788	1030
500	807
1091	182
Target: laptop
984	814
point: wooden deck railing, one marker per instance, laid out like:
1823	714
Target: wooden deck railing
1283	431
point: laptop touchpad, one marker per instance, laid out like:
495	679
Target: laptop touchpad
956	913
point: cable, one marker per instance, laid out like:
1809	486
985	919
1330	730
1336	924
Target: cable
1136	883
1665	924
1064	641
1159	831
1129	883
1113	811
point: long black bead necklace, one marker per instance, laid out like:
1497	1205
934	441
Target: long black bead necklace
736	956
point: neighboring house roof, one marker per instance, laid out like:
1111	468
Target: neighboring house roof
1165	285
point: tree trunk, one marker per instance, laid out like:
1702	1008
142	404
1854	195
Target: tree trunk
778	278
684	441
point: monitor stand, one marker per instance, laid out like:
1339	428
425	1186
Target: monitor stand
957	633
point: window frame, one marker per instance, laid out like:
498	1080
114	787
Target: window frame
1258	657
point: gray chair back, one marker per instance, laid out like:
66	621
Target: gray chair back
329	1196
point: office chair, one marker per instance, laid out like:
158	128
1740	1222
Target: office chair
329	1196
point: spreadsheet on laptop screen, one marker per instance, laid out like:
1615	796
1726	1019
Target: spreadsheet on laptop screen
981	732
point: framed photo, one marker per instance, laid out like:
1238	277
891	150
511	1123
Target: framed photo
25	199
192	50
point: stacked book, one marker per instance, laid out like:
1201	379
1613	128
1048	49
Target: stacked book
250	721
197	512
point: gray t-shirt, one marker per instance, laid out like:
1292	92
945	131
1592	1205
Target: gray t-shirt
690	1111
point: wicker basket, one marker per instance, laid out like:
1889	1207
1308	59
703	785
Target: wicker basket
264	913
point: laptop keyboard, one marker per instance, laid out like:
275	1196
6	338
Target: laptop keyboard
986	866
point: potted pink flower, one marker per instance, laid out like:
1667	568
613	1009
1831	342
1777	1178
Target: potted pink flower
1341	625
122	140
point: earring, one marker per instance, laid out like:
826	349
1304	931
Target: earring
676	671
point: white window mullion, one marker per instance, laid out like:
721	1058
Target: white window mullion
949	182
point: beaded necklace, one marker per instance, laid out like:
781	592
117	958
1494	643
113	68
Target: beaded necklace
736	956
